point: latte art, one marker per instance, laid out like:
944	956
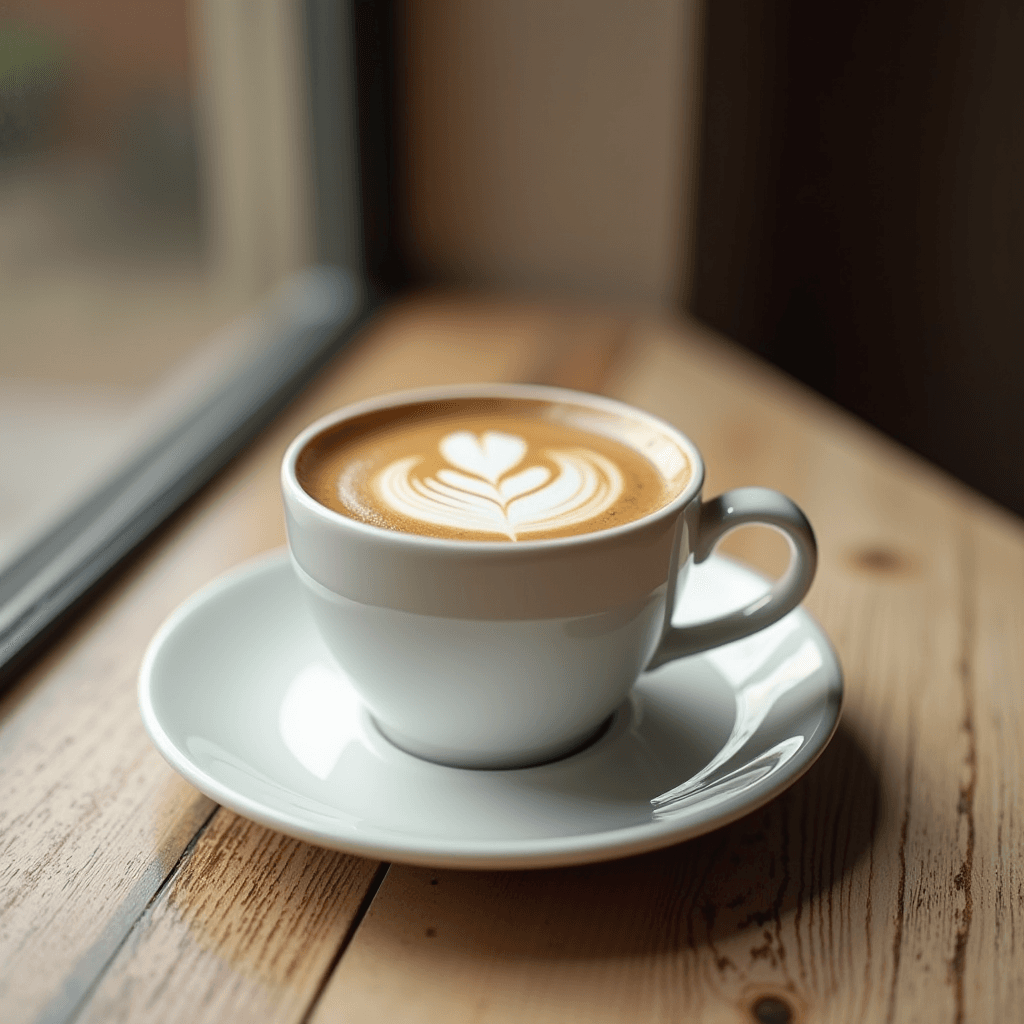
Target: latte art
492	469
485	489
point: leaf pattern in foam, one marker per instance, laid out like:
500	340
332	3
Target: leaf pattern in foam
474	496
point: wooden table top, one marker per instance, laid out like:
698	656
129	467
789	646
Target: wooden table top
886	885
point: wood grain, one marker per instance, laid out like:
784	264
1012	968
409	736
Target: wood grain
886	885
244	931
986	968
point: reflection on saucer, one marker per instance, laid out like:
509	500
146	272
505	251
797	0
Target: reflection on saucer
729	783
759	688
320	716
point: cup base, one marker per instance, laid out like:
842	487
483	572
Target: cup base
482	761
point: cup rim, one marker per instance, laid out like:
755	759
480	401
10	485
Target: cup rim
293	489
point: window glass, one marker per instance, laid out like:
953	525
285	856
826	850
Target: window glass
154	192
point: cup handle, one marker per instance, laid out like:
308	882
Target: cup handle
740	507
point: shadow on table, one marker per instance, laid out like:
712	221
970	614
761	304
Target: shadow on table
790	856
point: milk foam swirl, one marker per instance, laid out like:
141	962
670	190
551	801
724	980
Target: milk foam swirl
483	488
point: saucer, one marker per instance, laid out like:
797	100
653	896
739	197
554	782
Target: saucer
241	697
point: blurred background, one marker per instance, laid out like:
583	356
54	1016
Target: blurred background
837	190
155	187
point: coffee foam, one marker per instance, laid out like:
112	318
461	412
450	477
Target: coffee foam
493	469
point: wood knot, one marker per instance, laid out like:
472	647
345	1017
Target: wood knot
880	560
771	1010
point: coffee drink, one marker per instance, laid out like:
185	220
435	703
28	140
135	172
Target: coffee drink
493	469
492	566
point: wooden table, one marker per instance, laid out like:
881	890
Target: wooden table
886	885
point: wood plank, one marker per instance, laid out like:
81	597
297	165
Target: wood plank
245	931
97	821
985	970
849	897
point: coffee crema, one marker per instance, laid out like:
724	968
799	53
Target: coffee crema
493	469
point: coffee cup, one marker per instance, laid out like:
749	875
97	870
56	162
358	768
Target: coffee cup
493	566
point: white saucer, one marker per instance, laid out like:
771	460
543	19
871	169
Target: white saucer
240	696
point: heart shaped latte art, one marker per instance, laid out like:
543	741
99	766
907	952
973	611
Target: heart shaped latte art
486	489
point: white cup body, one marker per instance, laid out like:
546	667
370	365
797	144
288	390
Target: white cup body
490	654
488	693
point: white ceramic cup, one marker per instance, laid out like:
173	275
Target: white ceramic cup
497	654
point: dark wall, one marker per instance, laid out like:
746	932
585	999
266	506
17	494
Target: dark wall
861	213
